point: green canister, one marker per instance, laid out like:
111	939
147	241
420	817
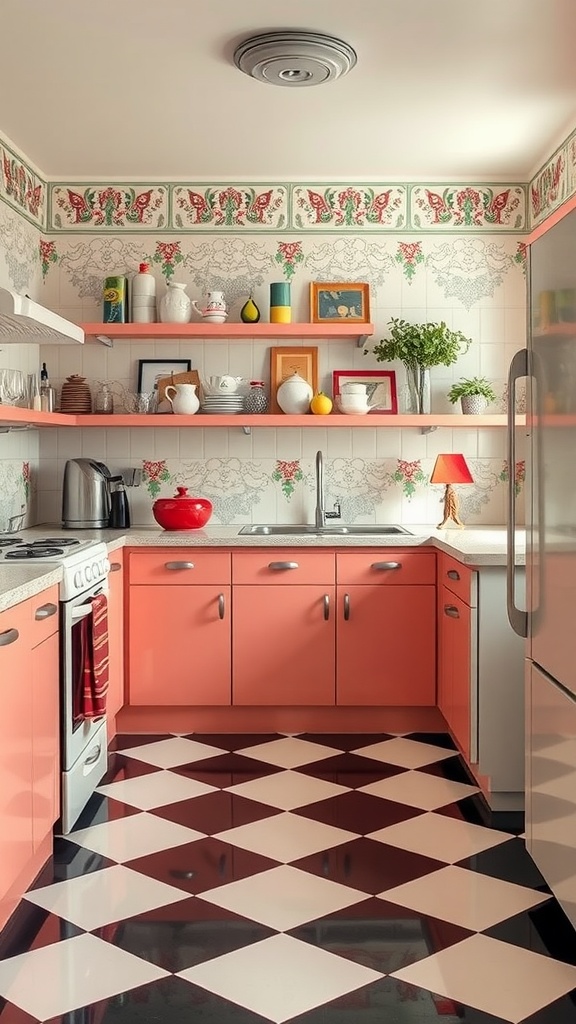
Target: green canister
115	300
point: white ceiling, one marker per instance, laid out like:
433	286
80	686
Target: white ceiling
445	89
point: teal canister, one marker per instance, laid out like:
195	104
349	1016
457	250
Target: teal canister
280	303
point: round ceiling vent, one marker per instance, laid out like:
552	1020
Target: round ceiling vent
294	58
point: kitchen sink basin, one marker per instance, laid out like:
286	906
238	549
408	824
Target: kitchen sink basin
324	531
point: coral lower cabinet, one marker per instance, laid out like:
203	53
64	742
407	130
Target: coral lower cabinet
115	697
457	652
282	627
179	647
29	738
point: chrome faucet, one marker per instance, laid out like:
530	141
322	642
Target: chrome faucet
321	515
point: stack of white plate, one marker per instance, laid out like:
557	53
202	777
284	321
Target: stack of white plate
223	405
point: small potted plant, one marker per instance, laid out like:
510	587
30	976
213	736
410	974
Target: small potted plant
474	393
420	346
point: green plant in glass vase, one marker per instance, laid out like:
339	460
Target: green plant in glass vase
418	347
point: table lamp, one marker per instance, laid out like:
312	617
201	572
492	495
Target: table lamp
450	469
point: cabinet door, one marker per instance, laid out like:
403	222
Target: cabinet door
283	645
386	646
15	744
457	674
115	698
45	738
179	645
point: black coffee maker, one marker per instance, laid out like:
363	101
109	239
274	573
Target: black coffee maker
119	507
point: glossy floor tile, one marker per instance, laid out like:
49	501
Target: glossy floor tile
315	879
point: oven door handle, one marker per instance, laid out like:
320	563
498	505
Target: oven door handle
82	611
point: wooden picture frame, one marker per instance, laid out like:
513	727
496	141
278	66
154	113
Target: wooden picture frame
284	361
379	383
339	302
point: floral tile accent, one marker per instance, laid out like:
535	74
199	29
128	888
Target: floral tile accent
15	485
468	269
370	207
155	474
409	476
234	486
289	255
19	248
287	474
409	255
168	255
468	206
519	475
230	206
48	255
21	187
548	188
521	256
109	206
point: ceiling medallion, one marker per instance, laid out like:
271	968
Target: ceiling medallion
294	59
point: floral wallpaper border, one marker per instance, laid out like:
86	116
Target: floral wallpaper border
554	183
21	188
198	207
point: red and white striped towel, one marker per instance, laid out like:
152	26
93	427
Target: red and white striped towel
96	659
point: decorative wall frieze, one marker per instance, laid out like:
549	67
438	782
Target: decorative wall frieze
368	207
21	187
210	207
109	207
554	183
447	207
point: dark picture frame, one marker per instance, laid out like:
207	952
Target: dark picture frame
150	370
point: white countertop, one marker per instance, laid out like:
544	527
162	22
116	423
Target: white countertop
477	546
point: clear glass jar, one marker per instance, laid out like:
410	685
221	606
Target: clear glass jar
104	399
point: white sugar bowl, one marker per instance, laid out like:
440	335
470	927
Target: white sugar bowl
353	389
353	404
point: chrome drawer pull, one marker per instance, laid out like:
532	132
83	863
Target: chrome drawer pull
346	607
92	758
326	607
115	566
283	565
45	611
221	606
9	637
452	574
452	611
386	565
179	565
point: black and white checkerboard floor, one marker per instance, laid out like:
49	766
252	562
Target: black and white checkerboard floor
319	879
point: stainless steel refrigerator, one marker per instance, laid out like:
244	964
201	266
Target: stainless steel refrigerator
549	619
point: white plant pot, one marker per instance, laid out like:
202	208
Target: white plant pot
473	405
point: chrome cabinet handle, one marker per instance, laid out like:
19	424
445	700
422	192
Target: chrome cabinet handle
9	637
386	565
452	574
94	757
452	611
179	565
45	611
346	607
115	567
283	565
221	606
326	607
519	367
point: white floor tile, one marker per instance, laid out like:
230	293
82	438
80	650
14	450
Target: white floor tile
156	790
173	752
285	837
289	752
464	897
510	982
434	835
283	897
419	790
405	753
287	790
67	975
101	897
280	977
128	838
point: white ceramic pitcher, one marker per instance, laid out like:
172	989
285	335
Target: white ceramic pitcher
185	401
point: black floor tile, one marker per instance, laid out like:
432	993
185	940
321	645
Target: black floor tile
350	770
32	927
123	741
121	766
69	861
233	740
436	739
10	1014
562	1011
508	861
367	865
200	866
452	768
345	741
358	812
215	812
184	934
225	770
473	809
99	809
543	929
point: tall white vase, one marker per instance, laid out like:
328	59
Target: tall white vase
175	305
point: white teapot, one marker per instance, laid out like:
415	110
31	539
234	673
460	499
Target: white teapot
215	309
185	401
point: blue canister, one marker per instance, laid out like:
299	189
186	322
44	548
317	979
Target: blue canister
280	303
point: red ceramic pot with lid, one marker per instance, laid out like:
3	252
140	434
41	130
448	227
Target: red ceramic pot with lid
182	512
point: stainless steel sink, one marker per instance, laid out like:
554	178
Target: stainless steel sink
324	531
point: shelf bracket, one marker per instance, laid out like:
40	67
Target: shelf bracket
15	427
247	430
105	340
362	339
427	430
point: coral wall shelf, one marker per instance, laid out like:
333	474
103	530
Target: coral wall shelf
106	333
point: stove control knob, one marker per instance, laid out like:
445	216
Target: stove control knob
78	579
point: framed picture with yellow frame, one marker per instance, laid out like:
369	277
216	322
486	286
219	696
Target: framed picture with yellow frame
335	303
285	361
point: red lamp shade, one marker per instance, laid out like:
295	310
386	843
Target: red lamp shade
451	469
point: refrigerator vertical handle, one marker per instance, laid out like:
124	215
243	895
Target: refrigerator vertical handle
519	367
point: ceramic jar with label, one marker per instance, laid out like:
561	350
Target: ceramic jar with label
175	304
294	395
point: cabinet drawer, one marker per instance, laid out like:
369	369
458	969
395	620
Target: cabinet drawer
45	615
458	578
387	568
15	632
283	566
179	567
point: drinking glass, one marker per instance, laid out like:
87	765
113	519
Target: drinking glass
12	386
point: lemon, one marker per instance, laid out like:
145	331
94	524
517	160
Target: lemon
321	405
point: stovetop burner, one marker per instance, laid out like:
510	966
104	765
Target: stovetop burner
33	551
6	542
49	542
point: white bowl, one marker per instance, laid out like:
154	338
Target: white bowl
353	405
214	318
354	389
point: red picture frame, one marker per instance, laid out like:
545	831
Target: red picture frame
383	380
